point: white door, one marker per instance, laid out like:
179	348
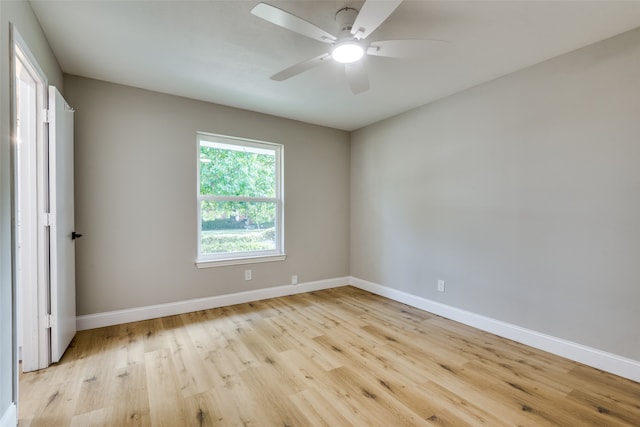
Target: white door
62	232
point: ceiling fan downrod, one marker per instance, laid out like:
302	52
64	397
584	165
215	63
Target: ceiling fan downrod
345	18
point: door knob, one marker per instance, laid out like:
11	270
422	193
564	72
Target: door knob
75	235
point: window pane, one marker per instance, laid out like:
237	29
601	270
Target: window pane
228	170
237	226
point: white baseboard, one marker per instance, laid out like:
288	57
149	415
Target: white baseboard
10	417
117	317
608	362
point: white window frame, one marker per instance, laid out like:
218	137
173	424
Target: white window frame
248	257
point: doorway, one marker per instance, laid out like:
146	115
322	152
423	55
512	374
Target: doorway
31	202
44	243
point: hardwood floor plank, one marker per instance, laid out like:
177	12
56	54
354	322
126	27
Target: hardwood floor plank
191	373
445	400
58	407
129	346
338	357
201	411
229	393
270	397
91	419
128	397
319	410
309	347
165	397
382	408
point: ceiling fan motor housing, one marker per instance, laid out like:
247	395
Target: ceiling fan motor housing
345	18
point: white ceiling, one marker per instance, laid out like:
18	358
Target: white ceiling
217	51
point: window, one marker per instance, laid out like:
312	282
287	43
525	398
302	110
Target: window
239	201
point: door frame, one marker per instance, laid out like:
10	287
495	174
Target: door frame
32	311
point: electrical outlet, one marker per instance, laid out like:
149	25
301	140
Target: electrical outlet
294	279
440	285
247	275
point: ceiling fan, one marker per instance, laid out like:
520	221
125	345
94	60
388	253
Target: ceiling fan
349	46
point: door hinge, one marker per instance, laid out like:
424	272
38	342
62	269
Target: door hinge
50	320
47	219
46	115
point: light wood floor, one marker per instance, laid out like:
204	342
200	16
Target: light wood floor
341	357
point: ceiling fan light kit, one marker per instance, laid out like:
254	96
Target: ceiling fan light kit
349	46
347	52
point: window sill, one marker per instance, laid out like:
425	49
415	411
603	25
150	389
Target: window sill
238	261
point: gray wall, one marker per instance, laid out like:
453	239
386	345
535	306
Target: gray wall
523	194
20	14
135	162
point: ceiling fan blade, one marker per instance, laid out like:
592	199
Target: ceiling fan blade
371	15
291	22
406	48
300	67
357	77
